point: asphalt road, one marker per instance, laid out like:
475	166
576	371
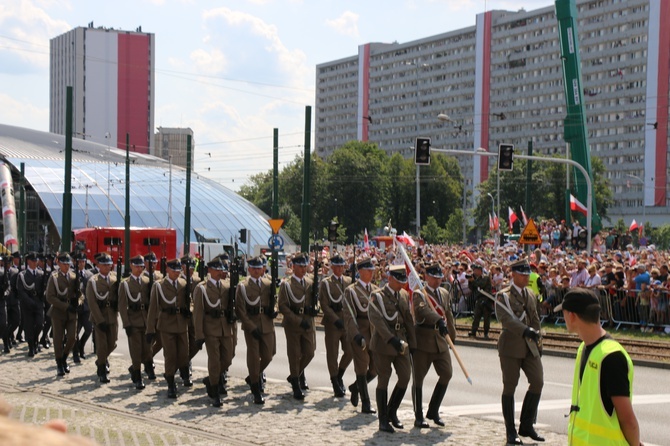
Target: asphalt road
481	399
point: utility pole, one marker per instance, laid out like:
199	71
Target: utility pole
67	192
306	184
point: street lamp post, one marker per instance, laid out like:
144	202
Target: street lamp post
644	208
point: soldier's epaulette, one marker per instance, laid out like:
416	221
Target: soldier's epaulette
505	290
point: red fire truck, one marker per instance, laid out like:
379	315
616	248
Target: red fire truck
161	241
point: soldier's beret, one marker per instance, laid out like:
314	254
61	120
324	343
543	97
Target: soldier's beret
521	267
216	264
256	262
64	258
31	256
398	272
150	257
104	259
434	270
138	260
301	259
365	264
174	264
337	260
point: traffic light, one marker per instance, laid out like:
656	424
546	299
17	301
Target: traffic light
422	152
506	157
243	235
332	230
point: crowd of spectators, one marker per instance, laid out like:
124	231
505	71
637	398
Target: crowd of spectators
632	281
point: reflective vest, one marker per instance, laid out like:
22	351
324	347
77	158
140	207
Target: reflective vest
532	284
589	422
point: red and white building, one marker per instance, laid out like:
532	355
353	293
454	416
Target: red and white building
112	75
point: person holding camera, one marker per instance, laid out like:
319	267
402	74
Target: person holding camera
477	282
520	348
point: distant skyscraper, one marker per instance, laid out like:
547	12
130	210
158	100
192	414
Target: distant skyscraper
171	142
112	75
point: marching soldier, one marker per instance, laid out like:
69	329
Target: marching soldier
188	267
392	334
4	285
134	296
83	311
356	301
331	293
297	306
519	348
64	296
46	264
434	321
14	304
102	296
256	309
30	292
151	265
169	313
213	328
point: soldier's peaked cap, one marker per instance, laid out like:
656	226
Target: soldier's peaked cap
188	260
521	267
301	259
150	257
216	264
256	262
31	256
174	264
104	259
64	258
337	260
434	270
365	263
398	272
138	260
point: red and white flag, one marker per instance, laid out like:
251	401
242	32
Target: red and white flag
640	230
512	217
523	216
577	206
633	226
405	239
496	222
366	241
490	223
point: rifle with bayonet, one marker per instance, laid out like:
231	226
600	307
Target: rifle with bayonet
234	280
313	308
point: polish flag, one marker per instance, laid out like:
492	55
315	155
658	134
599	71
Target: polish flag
405	239
633	226
512	217
496	222
490	223
523	216
577	206
366	241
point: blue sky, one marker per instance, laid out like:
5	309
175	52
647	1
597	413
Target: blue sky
231	70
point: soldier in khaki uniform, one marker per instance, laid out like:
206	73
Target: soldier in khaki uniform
392	340
519	348
151	265
298	308
434	321
169	313
188	267
356	301
101	293
256	310
213	328
134	297
331	293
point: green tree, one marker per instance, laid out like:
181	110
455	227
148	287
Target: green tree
453	230
432	232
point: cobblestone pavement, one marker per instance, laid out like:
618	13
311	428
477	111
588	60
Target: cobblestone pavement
117	414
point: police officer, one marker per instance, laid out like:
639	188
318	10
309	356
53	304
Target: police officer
256	310
483	305
434	321
331	293
393	338
83	311
102	296
519	348
134	297
169	315
64	296
356	309
30	291
298	308
213	328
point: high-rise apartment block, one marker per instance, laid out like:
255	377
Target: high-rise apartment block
501	81
112	75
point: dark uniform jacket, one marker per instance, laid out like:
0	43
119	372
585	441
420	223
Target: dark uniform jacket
511	342
401	323
356	301
210	316
294	302
134	300
61	289
102	299
428	335
252	311
30	288
169	310
331	293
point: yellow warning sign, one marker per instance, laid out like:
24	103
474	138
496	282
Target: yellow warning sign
276	224
530	234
